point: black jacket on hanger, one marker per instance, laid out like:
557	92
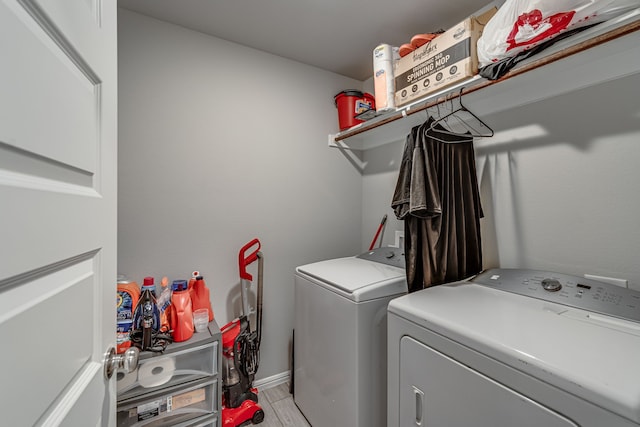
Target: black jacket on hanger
437	197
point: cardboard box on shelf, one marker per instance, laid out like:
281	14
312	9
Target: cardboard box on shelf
447	59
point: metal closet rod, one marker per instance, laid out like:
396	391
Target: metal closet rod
579	47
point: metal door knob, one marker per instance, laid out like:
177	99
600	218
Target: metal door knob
127	361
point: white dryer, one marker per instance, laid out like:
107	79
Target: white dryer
515	348
340	344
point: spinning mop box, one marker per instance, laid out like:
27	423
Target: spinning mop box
447	59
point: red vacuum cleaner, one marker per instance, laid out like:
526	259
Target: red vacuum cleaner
241	350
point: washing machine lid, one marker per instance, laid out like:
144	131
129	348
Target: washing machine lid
588	354
356	278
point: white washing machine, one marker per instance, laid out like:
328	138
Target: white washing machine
340	342
514	348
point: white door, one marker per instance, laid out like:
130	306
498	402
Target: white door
58	142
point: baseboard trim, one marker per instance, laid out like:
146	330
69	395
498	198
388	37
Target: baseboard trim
272	381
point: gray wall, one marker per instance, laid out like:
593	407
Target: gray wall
219	144
559	182
378	183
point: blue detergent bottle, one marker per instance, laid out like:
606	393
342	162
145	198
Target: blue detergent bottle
147	316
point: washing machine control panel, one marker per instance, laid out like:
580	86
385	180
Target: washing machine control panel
573	291
385	255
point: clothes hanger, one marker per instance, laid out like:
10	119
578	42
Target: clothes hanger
439	118
454	114
443	122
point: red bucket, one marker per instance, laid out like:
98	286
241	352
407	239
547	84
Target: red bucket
350	103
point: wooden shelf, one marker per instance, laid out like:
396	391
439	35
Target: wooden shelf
602	53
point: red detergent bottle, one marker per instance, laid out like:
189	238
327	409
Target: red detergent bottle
181	311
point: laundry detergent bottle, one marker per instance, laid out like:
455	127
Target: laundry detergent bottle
146	318
126	302
181	311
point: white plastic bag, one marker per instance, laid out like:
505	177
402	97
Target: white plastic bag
522	24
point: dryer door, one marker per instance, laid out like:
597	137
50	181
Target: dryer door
436	390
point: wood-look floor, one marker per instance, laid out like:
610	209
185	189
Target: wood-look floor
279	408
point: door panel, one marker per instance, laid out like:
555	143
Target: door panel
34	318
58	142
80	23
52	87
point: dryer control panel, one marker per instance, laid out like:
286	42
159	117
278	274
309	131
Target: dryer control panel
572	291
385	255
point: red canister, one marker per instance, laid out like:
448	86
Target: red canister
350	103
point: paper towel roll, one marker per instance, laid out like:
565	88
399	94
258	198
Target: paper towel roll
156	372
384	56
124	381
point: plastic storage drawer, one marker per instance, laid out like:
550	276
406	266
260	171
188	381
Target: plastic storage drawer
180	365
171	406
206	421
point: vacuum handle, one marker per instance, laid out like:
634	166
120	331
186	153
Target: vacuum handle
244	260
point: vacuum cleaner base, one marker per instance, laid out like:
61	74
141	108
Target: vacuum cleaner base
249	412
